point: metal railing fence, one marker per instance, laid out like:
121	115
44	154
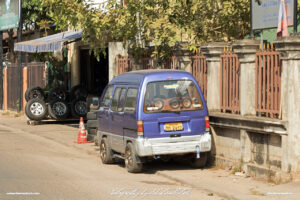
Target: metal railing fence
230	82
268	83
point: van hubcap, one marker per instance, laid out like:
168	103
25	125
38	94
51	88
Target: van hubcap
102	151
128	158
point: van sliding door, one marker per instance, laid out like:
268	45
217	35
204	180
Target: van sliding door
104	110
117	118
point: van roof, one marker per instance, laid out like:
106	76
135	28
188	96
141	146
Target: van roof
135	77
152	71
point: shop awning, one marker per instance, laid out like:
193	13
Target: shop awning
49	43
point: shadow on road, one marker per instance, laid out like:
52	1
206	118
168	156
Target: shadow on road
160	165
68	122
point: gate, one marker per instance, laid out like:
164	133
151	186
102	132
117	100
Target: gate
10	87
199	71
230	82
35	74
268	83
124	64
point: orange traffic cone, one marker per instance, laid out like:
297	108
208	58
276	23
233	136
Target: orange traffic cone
82	137
81	124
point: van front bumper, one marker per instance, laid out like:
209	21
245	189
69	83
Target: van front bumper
175	145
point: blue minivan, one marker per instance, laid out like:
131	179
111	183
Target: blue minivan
151	114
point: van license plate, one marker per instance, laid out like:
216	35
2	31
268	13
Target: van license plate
173	126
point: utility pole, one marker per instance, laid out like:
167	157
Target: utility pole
20	73
295	16
251	28
1	70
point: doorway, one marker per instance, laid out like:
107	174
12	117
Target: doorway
93	73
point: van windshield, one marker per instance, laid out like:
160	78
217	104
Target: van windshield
172	96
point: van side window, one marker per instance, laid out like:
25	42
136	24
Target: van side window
122	99
130	105
107	97
114	104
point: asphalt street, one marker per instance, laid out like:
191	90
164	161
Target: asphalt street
37	168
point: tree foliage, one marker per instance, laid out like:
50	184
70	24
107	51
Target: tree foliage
32	13
162	23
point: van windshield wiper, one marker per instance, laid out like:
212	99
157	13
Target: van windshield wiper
165	111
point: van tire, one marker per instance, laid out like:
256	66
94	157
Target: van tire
199	163
106	154
131	163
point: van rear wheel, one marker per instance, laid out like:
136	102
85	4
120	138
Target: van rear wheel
131	163
199	163
106	152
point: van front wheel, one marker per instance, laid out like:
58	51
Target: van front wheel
105	152
199	163
131	160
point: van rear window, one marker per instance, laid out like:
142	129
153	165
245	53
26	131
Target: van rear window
172	96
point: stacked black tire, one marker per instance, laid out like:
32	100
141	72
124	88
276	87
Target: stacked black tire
92	126
59	103
36	108
78	95
58	106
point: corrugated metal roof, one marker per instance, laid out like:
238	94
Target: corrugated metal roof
49	43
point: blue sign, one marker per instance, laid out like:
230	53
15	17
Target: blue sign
9	14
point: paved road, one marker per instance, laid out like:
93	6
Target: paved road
33	167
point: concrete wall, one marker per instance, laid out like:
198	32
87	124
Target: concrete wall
212	53
115	49
290	97
246	50
183	59
260	146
